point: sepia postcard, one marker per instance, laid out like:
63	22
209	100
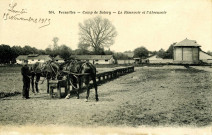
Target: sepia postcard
111	67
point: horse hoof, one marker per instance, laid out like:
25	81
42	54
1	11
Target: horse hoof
97	99
86	100
67	97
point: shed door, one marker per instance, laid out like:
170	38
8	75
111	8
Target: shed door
178	54
187	54
195	54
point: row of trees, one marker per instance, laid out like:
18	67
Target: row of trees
9	54
142	52
95	35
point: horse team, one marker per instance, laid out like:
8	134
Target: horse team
53	70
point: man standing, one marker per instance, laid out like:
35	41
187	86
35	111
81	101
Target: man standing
26	80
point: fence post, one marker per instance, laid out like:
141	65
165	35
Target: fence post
99	79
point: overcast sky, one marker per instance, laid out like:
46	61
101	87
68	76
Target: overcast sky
190	19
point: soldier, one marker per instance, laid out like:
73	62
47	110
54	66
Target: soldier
26	80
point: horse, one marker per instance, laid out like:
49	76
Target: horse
48	70
75	67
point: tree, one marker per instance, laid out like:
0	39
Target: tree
42	52
65	52
209	52
120	56
161	53
83	46
7	55
53	50
83	49
28	50
48	51
152	52
169	52
108	52
18	50
55	43
97	33
141	52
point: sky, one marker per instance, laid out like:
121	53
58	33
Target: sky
181	19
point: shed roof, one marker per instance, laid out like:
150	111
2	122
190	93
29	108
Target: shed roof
58	58
43	57
92	57
187	42
205	52
25	57
22	57
33	55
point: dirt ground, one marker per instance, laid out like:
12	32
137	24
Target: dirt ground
150	96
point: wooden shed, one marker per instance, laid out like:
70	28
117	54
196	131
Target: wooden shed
59	59
33	58
95	59
186	52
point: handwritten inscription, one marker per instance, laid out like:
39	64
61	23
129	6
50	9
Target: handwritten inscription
14	14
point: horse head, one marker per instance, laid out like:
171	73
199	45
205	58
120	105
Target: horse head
50	69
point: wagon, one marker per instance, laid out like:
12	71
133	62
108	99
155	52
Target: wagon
65	82
58	84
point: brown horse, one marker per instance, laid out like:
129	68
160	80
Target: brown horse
48	70
76	69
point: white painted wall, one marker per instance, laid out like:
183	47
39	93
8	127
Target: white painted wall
125	61
30	61
60	61
19	61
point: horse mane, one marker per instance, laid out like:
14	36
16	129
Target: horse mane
40	66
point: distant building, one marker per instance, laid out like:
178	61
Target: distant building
20	59
59	59
128	60
205	57
95	59
186	52
137	60
157	59
33	58
125	61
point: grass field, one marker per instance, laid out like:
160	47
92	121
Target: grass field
11	81
150	96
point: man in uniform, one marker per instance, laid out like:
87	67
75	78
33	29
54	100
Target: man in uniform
26	80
